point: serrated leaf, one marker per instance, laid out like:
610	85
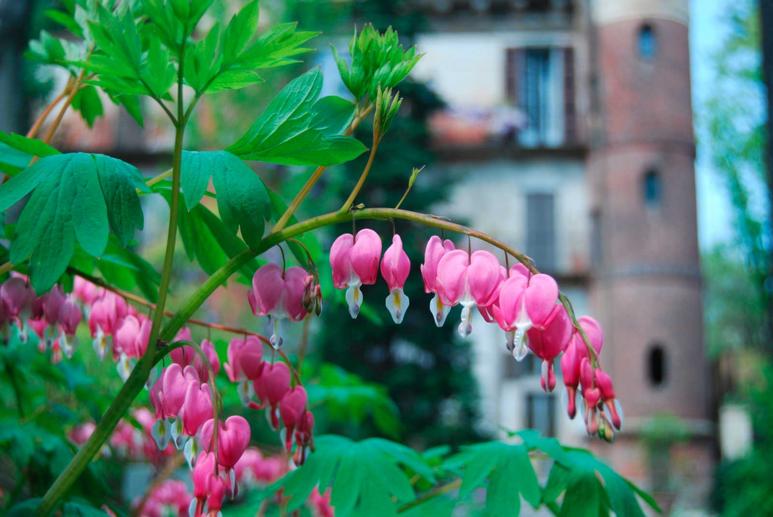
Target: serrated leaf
365	476
76	196
292	132
242	198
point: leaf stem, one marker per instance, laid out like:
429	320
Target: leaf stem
59	116
364	176
47	111
440	490
160	177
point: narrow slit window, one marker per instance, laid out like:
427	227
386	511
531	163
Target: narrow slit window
647	42
656	365
652	189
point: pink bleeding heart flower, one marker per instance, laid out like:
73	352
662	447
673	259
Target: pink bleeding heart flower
69	318
217	490
575	352
245	364
607	391
208	348
196	408
86	291
547	340
203	473
279	295
320	503
130	342
395	268
253	468
168	396
170	497
354	261
270	387
104	318
524	303
52	303
292	409
233	437
303	438
245	359
468	279
81	433
433	252
18	296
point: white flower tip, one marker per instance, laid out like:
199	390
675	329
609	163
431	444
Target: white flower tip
354	300
439	310
160	434
190	452
397	304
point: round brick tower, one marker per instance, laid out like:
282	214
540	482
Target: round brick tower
646	275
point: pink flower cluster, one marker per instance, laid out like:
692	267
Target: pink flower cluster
171	497
54	316
271	384
523	304
283	294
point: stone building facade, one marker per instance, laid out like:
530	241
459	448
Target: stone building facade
569	134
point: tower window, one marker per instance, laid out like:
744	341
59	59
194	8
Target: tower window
652	190
656	365
647	42
541	413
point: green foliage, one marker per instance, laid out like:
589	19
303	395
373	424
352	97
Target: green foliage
230	59
74	196
346	398
241	195
378	61
296	128
378	477
16	151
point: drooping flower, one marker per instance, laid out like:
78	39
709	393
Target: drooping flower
233	437
104	318
203	473
170	497
292	409
253	467
279	295
245	364
547	340
433	252
575	352
69	319
395	268
85	291
524	302
468	279
18	296
604	383
354	261
130	342
270	387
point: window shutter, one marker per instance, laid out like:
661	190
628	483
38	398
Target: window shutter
541	230
570	113
514	58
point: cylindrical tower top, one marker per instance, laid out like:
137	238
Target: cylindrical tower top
608	11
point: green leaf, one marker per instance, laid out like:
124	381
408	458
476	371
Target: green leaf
508	470
365	476
293	130
88	103
29	146
242	198
75	196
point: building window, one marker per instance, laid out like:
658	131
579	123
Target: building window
540	84
656	365
541	413
652	189
647	42
541	230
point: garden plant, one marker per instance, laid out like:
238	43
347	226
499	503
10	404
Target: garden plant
70	269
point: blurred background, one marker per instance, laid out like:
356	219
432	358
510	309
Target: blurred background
622	144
